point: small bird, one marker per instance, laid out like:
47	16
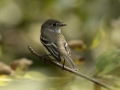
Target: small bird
55	43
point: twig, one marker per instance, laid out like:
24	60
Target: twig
69	70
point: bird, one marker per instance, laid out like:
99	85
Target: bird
55	43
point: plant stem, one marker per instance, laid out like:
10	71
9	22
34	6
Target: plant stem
69	70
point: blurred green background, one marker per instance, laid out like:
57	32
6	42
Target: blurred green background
93	23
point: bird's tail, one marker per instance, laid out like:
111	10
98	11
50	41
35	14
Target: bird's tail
70	62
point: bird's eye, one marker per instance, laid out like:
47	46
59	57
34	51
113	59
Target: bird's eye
54	24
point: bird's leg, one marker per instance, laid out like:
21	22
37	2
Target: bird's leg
63	65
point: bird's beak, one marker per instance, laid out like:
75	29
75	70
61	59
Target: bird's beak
62	24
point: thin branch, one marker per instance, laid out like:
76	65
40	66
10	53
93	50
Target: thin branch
68	69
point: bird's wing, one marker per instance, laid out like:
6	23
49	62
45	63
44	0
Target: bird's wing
52	48
67	49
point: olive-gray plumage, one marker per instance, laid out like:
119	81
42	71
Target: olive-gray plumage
55	42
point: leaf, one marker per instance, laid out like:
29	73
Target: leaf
97	38
108	62
6	69
22	64
77	45
4	80
35	76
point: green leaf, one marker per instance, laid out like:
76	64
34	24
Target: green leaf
97	38
5	80
108	62
35	76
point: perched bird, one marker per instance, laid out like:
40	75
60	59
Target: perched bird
55	42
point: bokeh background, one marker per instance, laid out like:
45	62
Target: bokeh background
92	31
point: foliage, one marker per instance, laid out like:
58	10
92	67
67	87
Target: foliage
94	25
